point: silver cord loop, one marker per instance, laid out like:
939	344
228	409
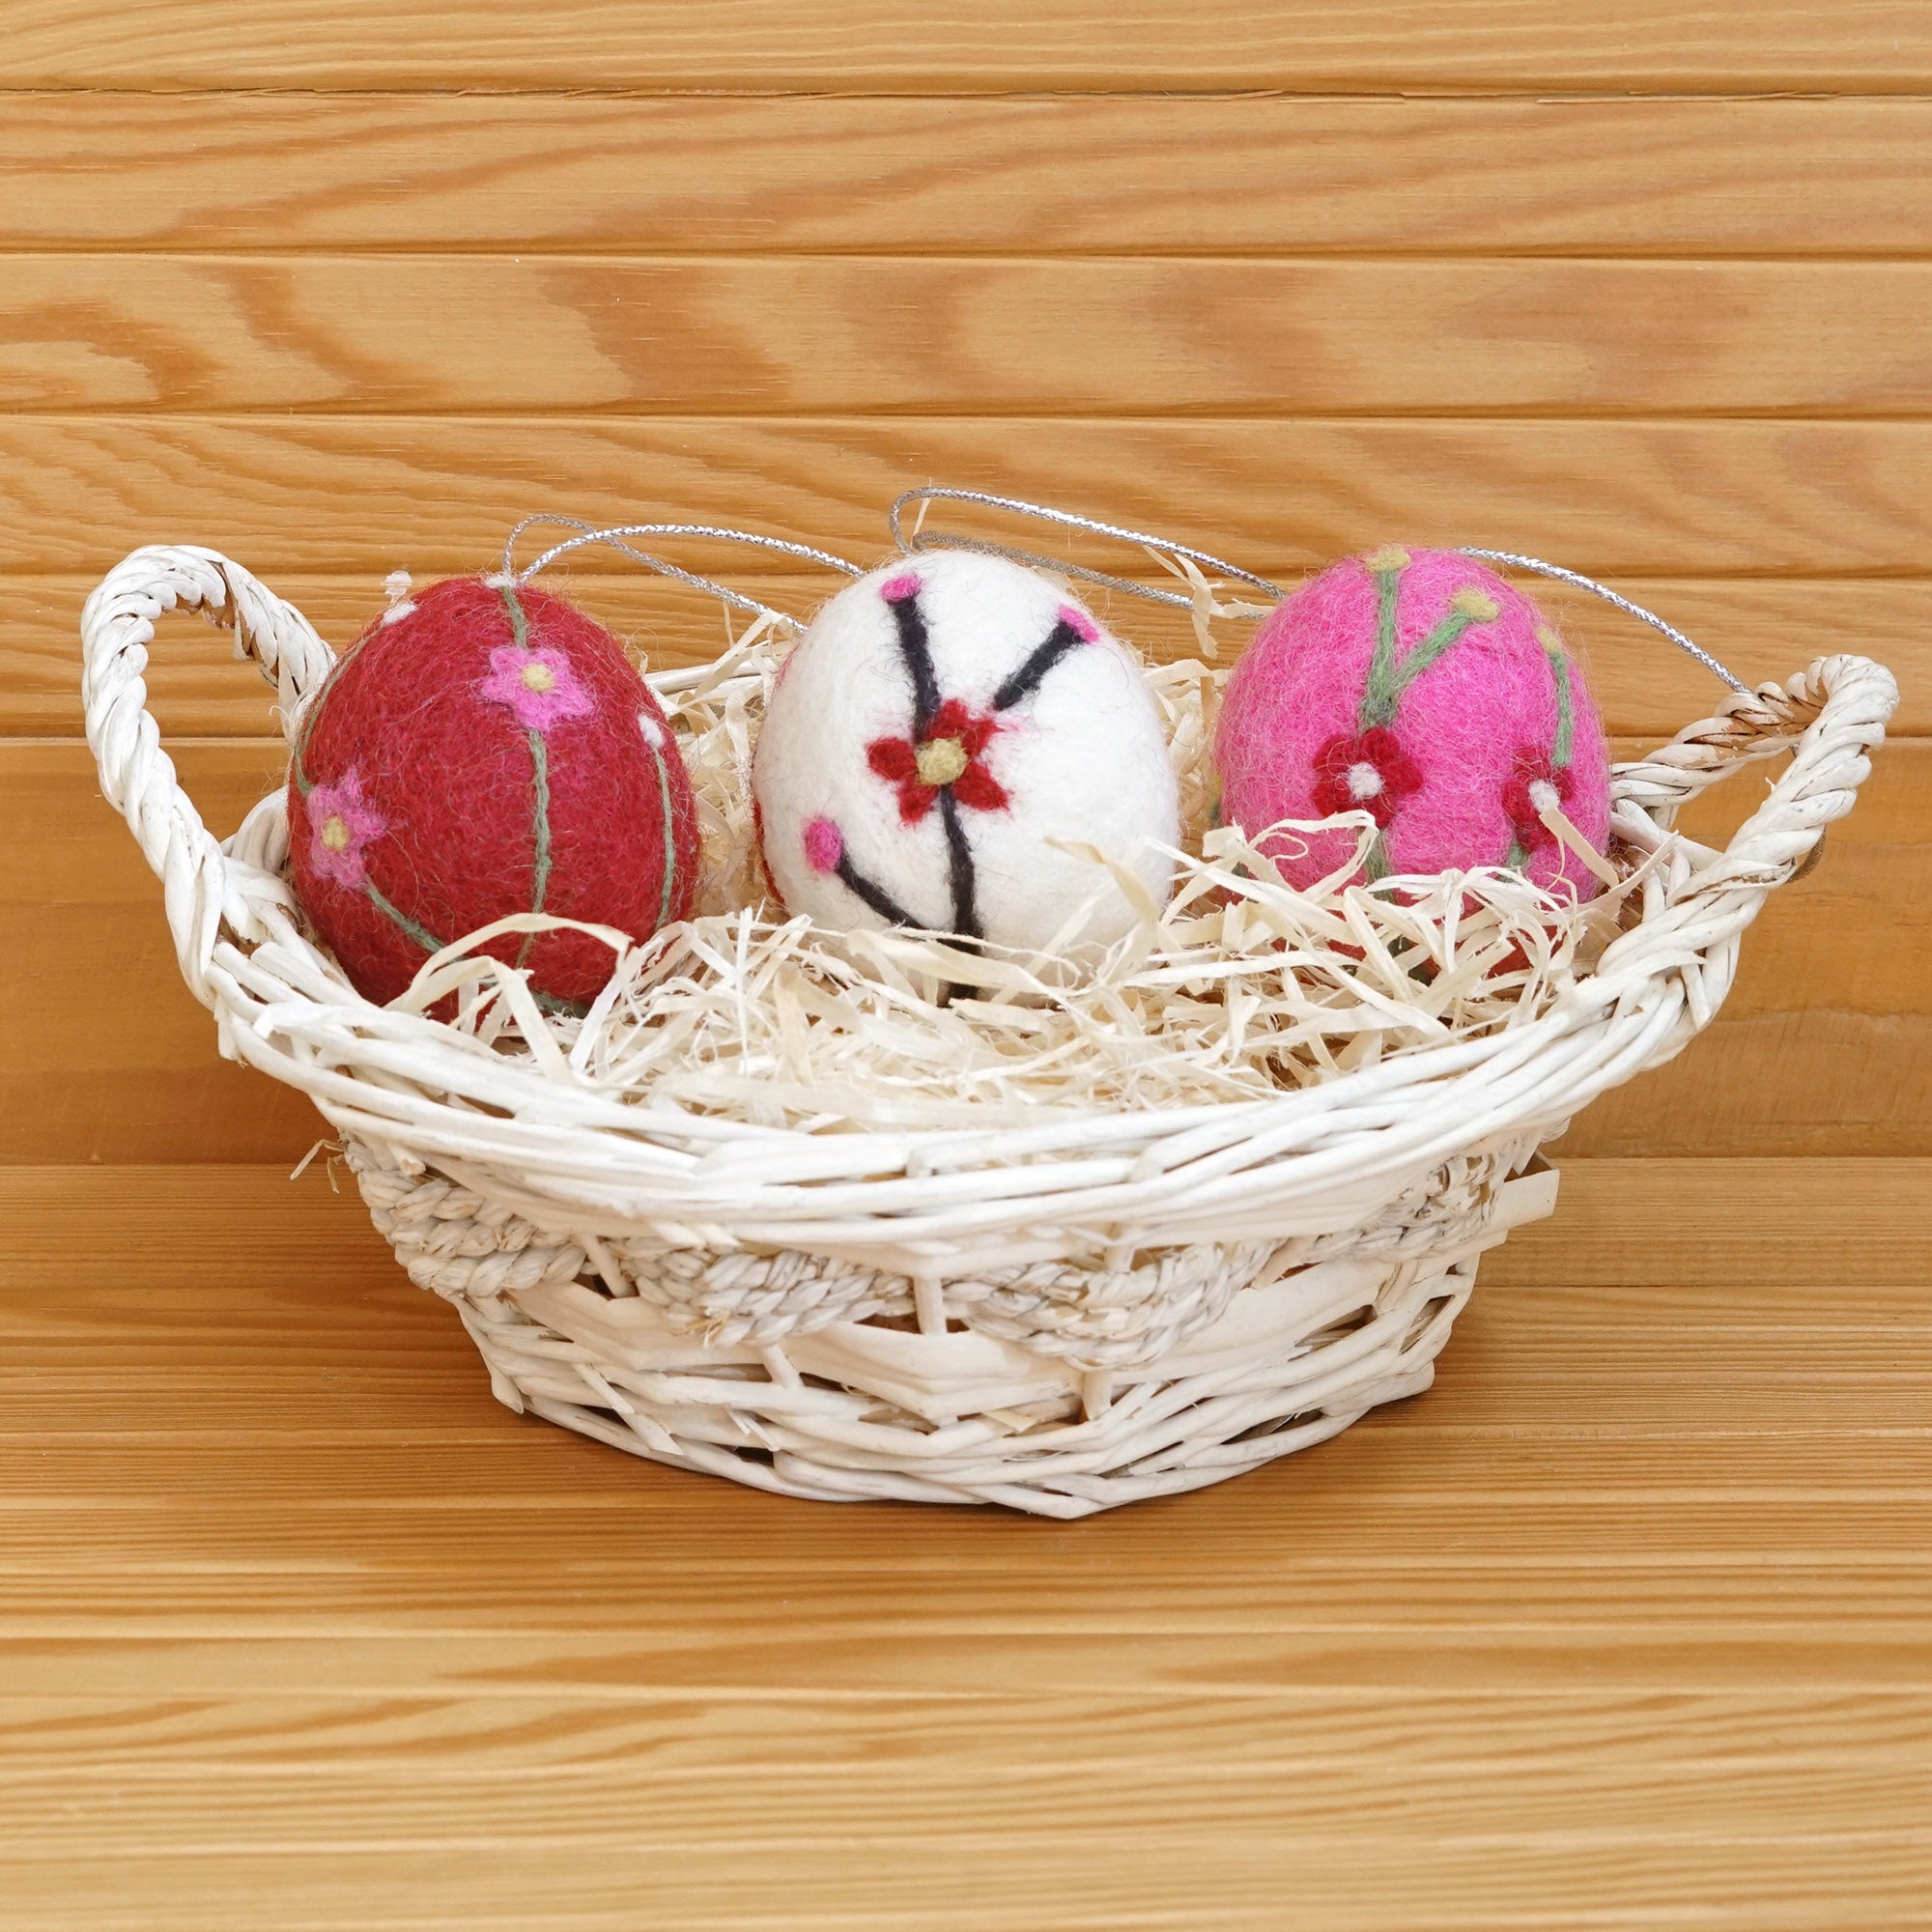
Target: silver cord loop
985	547
613	535
1609	596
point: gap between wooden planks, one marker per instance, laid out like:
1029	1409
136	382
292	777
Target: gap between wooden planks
1768	628
1658	498
1626	1617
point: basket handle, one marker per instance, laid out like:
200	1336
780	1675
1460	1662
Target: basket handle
1831	718
202	884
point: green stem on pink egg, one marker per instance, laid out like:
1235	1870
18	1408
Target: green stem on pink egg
1566	717
1429	649
1387	680
1379	694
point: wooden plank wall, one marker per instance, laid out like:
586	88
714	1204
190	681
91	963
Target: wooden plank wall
1639	288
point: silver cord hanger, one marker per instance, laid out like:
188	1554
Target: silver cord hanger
923	539
613	538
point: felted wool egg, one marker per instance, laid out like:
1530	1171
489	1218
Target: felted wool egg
1421	688
942	720
484	749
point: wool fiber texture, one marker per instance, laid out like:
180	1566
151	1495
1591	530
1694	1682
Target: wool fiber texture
1421	688
940	723
484	749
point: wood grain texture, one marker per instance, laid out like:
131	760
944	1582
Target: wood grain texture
1627	1622
1764	629
1872	47
1134	1873
1556	1643
732	176
1823	1045
1662	497
813	335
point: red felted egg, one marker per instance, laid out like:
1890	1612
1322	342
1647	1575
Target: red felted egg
484	749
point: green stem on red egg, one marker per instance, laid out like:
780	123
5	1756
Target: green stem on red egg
421	935
299	751
540	860
520	624
540	833
667	897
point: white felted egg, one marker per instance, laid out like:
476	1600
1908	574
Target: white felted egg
938	724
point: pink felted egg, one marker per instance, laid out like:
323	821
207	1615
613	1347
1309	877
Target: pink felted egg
1421	688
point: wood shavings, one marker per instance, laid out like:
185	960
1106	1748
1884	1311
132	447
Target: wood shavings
1239	988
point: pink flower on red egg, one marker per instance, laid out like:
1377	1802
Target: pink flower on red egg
538	685
342	825
945	757
1368	773
1534	785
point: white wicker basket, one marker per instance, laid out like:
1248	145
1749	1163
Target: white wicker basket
1057	1317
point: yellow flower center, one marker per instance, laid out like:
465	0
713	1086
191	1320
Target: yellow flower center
334	834
1474	603
538	676
1391	556
941	761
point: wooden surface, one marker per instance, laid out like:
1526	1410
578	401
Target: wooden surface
978	45
783	173
1628	1622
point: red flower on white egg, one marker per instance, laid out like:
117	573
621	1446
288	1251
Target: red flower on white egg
946	756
